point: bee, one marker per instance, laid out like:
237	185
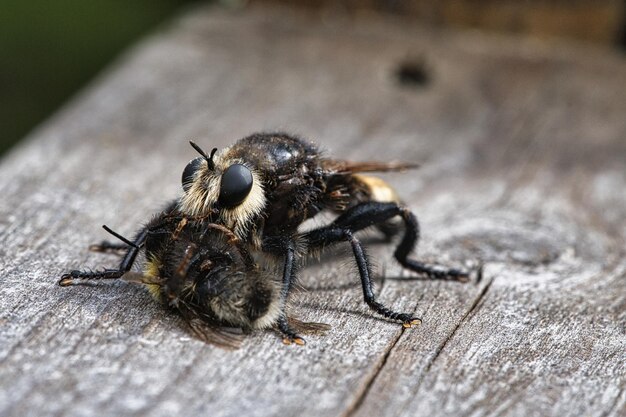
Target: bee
203	271
227	251
266	185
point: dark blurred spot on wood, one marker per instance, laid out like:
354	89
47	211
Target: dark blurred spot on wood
413	74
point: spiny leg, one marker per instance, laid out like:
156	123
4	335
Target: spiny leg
127	262
288	276
287	248
408	243
335	233
365	273
373	213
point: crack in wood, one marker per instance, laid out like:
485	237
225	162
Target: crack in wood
362	395
453	332
463	319
358	402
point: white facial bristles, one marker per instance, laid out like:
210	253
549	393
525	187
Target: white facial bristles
204	192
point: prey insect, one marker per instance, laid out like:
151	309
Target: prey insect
251	198
203	271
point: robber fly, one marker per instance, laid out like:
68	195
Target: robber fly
266	185
252	197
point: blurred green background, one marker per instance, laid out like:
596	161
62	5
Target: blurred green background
49	49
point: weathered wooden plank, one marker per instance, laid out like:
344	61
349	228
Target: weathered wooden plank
523	148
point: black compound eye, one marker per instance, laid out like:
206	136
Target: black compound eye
236	185
190	171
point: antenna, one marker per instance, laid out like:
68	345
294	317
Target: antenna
209	159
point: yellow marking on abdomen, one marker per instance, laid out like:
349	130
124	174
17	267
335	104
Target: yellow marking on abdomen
151	272
379	190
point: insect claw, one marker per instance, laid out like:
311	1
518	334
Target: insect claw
458	275
294	340
66	280
410	323
463	278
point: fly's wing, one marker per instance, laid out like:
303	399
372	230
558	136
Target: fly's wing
347	187
308	327
212	334
349	167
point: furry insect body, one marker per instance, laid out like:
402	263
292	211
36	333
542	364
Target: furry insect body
202	271
205	271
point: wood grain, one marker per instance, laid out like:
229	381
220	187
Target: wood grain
523	151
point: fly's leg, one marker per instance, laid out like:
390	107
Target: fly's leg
132	250
373	213
368	214
335	233
287	248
